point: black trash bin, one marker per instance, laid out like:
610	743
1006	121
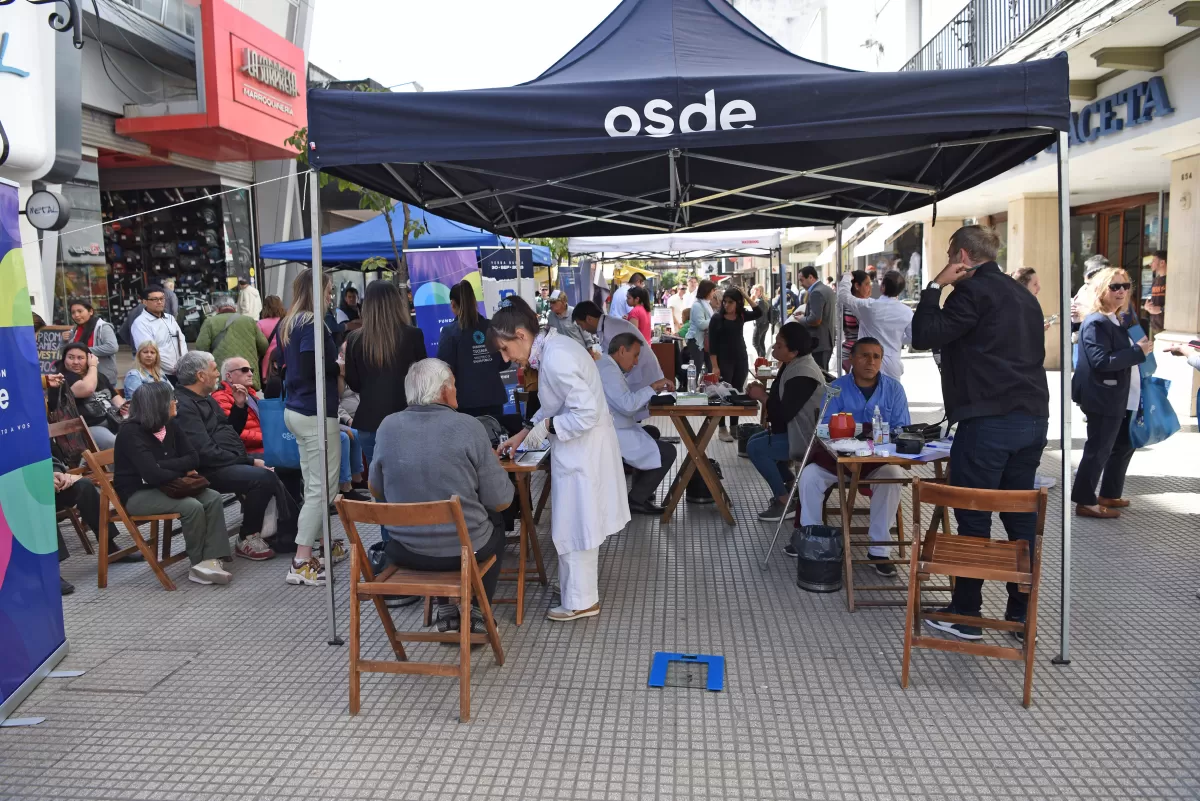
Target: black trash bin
744	433
818	558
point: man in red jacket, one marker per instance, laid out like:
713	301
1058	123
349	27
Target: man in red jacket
236	370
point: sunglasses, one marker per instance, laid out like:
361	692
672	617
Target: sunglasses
1119	287
240	369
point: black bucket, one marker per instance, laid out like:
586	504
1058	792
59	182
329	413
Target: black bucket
744	433
818	558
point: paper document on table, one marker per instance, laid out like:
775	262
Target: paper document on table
939	449
691	399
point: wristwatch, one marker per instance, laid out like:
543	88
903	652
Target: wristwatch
933	285
527	424
550	425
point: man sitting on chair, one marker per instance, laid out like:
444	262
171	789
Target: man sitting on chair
862	389
641	449
430	452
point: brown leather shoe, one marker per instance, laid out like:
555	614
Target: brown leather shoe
1103	513
1113	503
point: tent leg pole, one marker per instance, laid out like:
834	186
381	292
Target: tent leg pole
837	350
318	271
517	254
1064	294
782	288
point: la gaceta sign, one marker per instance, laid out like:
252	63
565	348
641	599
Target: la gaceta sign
733	115
1142	102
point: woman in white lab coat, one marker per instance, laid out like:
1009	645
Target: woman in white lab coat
588	500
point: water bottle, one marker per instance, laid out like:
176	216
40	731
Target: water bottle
691	378
877	427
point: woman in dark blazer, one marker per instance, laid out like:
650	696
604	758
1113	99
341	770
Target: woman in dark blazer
1107	388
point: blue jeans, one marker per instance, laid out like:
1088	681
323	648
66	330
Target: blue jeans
352	456
366	441
769	454
1000	452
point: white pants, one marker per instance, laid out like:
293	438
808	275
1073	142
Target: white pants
814	480
307	431
579	578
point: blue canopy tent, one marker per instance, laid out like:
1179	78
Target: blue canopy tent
368	239
681	116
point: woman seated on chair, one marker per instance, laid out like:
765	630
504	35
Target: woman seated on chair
150	453
455	458
98	401
792	405
146	368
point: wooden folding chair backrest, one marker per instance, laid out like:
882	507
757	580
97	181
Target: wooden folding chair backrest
71	438
980	500
400	515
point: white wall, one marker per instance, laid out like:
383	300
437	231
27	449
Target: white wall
935	14
836	31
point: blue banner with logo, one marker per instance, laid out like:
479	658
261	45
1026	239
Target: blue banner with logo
31	617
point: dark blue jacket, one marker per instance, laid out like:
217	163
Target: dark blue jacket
1100	384
476	370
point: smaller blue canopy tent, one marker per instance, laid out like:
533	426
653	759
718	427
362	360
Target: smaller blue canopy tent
369	239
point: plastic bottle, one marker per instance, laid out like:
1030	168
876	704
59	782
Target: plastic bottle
691	372
877	427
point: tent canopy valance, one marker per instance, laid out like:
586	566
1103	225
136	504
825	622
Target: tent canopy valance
371	238
650	124
679	247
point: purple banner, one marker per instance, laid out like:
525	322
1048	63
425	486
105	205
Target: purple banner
431	274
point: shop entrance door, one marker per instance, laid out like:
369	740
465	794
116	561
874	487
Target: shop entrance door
1122	243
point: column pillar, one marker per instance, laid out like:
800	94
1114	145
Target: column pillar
1181	318
1033	242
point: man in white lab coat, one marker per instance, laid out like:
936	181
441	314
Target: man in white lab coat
641	449
587	315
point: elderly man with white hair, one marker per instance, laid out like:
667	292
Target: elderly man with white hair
454	458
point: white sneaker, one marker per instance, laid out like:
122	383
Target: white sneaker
339	551
1040	481
310	573
209	572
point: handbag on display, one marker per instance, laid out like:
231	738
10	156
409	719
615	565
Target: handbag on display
1154	420
184	487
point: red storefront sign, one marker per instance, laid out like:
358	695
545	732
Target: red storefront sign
254	94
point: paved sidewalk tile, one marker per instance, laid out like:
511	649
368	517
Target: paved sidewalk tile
233	693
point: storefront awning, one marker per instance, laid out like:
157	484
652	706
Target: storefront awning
876	241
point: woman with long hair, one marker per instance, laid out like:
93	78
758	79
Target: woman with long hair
152	451
98	334
860	287
378	356
463	345
727	346
297	341
588	497
639	310
1107	386
702	312
97	399
147	368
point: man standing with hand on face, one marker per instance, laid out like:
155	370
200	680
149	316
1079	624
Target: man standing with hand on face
992	342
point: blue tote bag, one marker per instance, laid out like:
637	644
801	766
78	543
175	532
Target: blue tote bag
279	444
1151	364
1154	419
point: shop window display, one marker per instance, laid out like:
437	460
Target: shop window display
196	235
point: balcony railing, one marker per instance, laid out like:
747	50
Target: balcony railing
980	32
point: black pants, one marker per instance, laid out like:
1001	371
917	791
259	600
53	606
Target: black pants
400	556
84	496
697	356
645	482
1106	456
736	378
256	486
760	340
1001	452
821	357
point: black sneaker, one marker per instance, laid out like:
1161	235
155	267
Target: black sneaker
1019	636
960	630
789	551
883	565
775	511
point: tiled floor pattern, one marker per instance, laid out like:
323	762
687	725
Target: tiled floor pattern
233	692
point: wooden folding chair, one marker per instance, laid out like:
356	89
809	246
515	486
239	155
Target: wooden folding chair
59	431
98	463
942	553
464	584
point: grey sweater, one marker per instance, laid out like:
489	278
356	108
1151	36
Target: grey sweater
428	453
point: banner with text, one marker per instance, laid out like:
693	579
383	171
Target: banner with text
432	273
31	618
499	269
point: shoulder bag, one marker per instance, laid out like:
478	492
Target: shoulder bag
184	487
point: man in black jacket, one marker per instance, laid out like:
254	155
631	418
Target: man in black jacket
223	458
991	337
